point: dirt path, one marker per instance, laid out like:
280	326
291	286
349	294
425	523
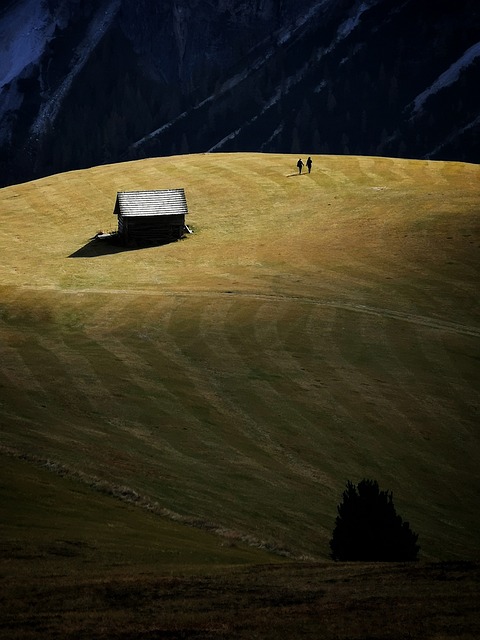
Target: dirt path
431	323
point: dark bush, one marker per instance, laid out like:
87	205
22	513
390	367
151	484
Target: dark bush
368	528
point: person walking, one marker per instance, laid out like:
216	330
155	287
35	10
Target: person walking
309	164
300	166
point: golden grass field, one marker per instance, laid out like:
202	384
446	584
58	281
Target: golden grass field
313	329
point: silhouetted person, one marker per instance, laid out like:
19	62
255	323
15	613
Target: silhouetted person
309	164
300	165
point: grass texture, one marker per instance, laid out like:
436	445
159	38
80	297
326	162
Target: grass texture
177	423
312	329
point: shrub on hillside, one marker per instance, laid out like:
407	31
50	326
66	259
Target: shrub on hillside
368	528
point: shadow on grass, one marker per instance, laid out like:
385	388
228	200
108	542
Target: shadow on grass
97	247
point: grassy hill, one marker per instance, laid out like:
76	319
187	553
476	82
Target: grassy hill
312	329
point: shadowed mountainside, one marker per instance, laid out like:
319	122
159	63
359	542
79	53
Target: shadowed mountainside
349	77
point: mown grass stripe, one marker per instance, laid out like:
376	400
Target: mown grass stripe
234	363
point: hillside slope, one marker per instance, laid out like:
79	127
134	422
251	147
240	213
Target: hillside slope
312	329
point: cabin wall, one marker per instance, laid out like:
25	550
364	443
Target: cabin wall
151	228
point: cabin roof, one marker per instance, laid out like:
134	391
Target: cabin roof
162	202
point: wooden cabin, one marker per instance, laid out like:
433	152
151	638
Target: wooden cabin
151	216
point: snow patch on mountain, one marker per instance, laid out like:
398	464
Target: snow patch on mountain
463	130
97	28
286	34
447	78
274	135
24	32
285	88
282	37
349	25
25	29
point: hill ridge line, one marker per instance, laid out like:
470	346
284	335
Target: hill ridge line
432	323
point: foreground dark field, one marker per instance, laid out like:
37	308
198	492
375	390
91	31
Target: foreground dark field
328	601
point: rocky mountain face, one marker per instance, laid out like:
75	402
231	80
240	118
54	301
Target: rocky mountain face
85	82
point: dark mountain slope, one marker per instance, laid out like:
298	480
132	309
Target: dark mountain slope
122	79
